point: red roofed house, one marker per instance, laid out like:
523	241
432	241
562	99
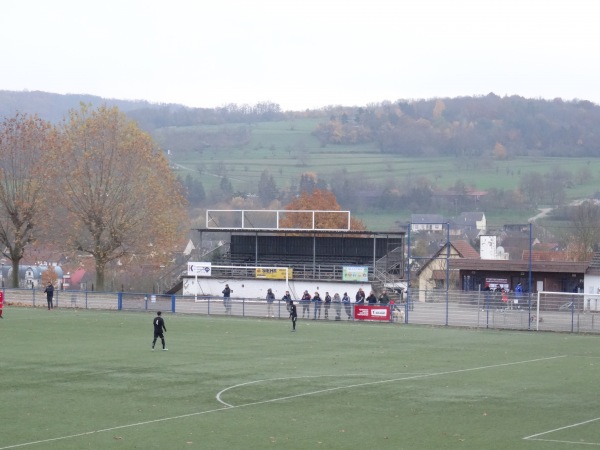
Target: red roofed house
432	275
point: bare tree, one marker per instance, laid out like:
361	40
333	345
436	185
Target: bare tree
585	228
24	140
119	196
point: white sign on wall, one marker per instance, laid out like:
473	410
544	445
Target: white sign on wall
199	269
355	273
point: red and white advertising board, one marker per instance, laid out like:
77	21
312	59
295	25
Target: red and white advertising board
371	312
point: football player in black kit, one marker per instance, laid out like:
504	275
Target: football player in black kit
159	326
293	314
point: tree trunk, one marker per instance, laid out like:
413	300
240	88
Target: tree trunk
14	276
100	269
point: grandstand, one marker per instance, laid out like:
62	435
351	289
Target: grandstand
313	254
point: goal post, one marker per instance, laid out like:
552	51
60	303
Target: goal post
562	308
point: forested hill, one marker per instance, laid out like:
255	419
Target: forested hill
471	126
464	126
54	107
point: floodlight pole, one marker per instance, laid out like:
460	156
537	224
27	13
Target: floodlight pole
447	269
529	281
408	289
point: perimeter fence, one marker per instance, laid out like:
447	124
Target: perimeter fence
564	312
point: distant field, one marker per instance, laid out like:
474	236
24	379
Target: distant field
87	379
274	146
287	149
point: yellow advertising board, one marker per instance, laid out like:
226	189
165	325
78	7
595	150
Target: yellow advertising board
273	274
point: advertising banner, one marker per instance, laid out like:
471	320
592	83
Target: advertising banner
199	269
366	312
493	283
355	273
274	274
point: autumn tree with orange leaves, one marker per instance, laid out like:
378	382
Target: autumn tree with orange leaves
24	142
119	197
318	200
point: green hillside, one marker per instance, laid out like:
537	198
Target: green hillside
382	161
286	149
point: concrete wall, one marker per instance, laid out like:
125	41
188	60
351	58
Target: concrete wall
257	288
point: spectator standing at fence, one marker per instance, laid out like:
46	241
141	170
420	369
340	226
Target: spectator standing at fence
505	299
270	300
1	303
337	305
159	326
372	299
487	291
293	315
347	305
317	300
305	300
49	295
227	299
327	304
518	290
518	294
360	296
383	298
287	298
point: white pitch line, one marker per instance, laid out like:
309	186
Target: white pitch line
372	383
218	397
534	436
198	413
120	427
565	442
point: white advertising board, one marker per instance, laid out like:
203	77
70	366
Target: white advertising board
199	269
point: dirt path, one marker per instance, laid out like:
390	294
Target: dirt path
543	213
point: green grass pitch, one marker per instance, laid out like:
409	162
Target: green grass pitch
88	379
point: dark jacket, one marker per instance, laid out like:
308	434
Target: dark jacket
360	297
384	299
49	291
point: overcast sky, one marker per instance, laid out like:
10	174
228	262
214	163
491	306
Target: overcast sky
301	53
